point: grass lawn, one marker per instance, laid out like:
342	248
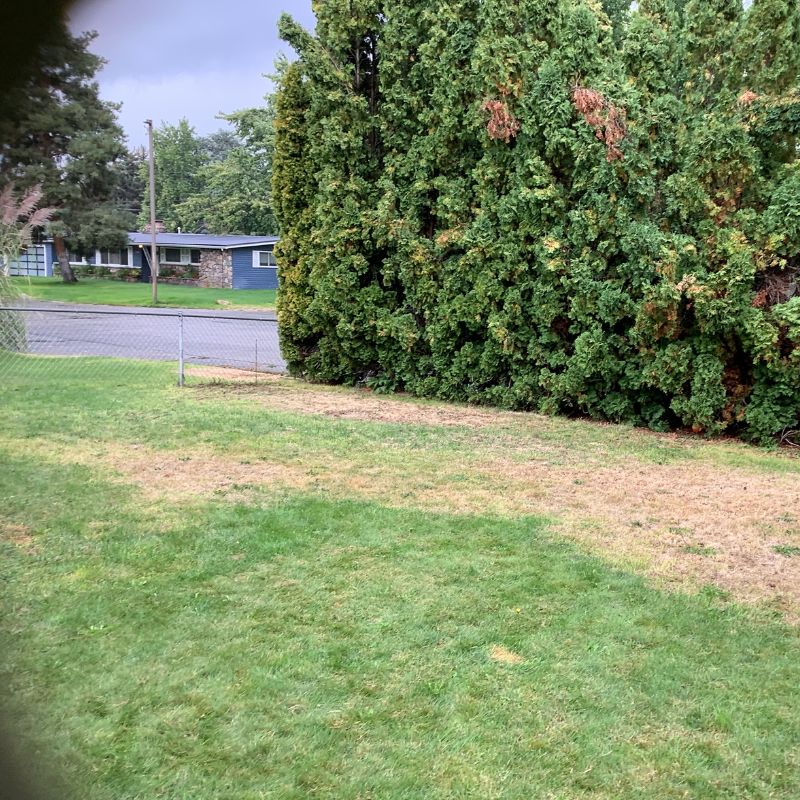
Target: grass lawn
286	591
102	291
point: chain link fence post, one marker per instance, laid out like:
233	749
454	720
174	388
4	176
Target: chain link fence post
181	375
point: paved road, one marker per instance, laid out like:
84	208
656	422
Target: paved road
240	339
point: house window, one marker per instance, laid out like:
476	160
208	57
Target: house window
113	258
179	255
264	259
76	258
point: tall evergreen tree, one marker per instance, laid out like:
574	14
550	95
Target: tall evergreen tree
217	145
570	205
294	193
618	12
341	63
60	135
768	47
130	169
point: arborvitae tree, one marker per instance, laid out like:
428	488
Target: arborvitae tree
556	204
60	135
710	32
341	63
768	47
430	152
294	194
618	12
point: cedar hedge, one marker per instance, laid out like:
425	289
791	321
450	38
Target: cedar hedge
547	204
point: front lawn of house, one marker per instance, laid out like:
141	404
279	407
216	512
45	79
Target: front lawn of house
288	591
102	291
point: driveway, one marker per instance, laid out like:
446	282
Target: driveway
239	339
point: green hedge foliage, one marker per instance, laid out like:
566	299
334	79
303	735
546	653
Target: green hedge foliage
547	204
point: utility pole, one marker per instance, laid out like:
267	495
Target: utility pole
153	249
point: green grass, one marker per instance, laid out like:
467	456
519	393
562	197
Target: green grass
120	293
789	550
699	550
278	643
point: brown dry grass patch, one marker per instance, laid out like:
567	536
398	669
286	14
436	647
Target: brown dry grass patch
161	475
686	524
658	514
502	655
18	535
201	372
278	392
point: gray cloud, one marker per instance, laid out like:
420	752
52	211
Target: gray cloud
168	60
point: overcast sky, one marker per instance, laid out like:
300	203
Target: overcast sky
169	59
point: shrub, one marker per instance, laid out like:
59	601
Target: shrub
614	232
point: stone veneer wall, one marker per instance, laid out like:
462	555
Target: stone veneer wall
216	270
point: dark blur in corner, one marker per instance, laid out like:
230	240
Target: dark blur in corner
22	776
25	25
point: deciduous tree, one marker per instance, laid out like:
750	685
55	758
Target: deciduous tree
234	191
179	156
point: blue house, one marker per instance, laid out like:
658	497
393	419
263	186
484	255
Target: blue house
223	262
36	261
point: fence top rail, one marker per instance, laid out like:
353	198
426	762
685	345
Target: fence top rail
141	312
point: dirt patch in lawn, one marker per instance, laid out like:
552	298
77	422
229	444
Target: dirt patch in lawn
200	373
284	394
18	535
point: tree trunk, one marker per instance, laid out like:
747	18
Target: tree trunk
63	260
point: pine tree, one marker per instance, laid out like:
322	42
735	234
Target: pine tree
130	169
61	136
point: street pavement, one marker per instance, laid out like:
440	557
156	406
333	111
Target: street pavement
238	339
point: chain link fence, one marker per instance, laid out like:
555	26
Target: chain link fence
204	346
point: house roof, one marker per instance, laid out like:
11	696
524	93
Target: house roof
200	241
